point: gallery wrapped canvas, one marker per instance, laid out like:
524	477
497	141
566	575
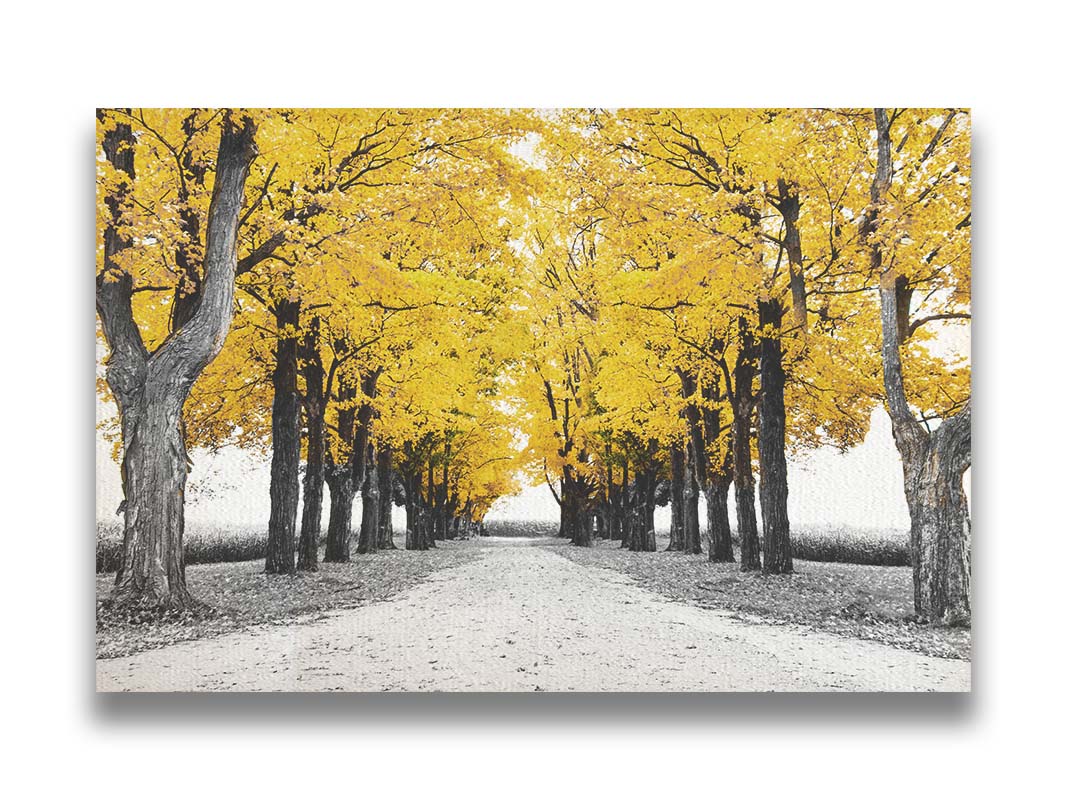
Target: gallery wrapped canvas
659	399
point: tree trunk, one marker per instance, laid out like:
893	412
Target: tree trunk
285	437
678	489
643	534
314	476
941	525
339	527
385	494
705	429
417	537
691	509
575	522
155	466
369	525
933	463
150	389
741	441
720	540
773	483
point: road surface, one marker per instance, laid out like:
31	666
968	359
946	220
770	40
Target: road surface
526	619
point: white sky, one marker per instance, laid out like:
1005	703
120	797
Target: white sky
860	488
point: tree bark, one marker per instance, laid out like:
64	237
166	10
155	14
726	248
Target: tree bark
643	534
741	442
339	526
417	536
678	494
314	475
369	525
385	492
713	479
773	483
150	389
285	437
934	463
691	508
720	539
340	478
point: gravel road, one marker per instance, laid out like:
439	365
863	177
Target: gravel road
523	619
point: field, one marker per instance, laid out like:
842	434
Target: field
204	544
875	547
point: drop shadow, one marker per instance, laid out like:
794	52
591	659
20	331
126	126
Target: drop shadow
541	710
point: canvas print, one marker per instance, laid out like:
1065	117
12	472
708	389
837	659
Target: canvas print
523	400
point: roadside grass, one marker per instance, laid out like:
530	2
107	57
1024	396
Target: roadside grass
213	544
855	600
238	595
875	547
204	544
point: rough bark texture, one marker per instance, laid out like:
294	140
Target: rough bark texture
346	479
712	476
720	541
741	442
339	525
385	491
643	532
285	441
691	508
575	518
341	480
678	482
150	389
933	463
417	536
315	473
773	483
368	528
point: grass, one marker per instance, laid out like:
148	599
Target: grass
238	595
220	544
882	548
857	600
204	544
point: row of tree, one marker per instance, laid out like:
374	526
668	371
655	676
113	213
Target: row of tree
712	290
388	302
326	285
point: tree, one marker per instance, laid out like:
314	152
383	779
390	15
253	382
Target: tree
934	461
150	388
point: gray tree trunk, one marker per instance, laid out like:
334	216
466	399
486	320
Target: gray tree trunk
933	463
151	388
773	480
385	491
314	476
368	528
678	494
285	445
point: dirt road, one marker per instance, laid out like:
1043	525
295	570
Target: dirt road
522	619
